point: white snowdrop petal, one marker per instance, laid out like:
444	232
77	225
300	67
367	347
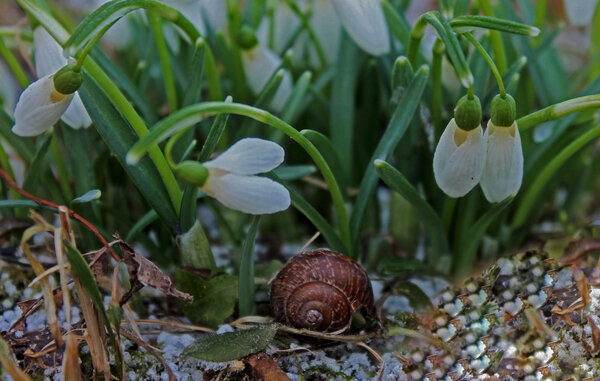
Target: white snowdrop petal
259	64
48	54
365	23
458	168
35	111
503	171
248	194
249	156
76	115
580	12
327	27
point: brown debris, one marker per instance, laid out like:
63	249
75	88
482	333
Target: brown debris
263	367
576	250
143	272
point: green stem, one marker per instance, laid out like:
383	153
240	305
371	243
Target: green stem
311	33
13	64
165	61
558	110
188	116
489	61
416	34
82	54
140	128
436	88
529	201
497	43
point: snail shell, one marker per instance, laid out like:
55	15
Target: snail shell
320	290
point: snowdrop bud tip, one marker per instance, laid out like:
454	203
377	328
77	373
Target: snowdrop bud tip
191	172
468	113
503	110
67	80
246	38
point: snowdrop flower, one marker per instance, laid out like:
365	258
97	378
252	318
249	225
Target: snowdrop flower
365	23
42	104
53	95
460	154
503	170
230	177
260	64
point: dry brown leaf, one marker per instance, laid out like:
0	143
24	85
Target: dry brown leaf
143	272
264	368
578	249
70	366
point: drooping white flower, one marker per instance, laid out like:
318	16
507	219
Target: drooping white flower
48	59
459	159
365	23
503	170
232	180
259	64
39	107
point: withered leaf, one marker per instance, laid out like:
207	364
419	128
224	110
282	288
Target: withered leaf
142	272
264	368
577	249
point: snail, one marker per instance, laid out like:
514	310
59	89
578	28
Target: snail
320	290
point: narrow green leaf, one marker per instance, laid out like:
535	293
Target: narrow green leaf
82	271
91	195
39	164
290	110
326	148
141	224
231	345
246	281
396	128
434	225
119	137
97	22
397	23
392	266
402	73
24	204
465	258
294	172
195	72
467	23
214	135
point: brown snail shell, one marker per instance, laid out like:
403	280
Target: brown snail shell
320	290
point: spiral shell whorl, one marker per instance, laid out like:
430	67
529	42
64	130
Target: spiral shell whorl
320	290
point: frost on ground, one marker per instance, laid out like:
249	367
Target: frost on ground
525	319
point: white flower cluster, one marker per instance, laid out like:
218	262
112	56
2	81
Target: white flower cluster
493	159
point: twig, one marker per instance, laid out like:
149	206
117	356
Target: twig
11	183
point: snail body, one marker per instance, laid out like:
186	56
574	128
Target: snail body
320	290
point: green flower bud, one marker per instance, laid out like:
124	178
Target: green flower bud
468	113
67	80
191	172
504	110
246	38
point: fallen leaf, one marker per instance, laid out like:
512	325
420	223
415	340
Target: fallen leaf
263	367
142	272
231	345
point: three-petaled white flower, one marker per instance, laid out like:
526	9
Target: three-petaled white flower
41	105
503	170
459	159
231	177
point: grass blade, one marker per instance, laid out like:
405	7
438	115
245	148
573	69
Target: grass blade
246	278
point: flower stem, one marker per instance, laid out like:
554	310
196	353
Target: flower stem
489	61
498	45
189	116
436	87
165	61
13	64
558	110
